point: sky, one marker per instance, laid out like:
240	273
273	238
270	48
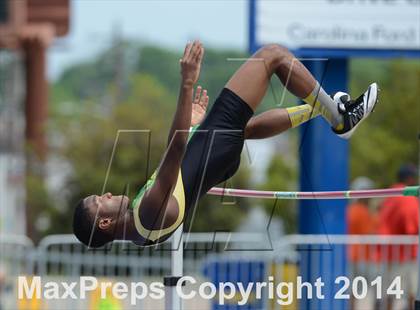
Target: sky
170	23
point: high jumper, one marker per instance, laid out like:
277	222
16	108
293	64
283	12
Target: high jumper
199	158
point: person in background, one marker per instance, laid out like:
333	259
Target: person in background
400	216
360	221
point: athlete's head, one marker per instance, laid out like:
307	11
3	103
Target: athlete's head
100	215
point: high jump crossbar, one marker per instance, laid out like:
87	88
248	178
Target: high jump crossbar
375	193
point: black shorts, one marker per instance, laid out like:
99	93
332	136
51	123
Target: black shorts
214	152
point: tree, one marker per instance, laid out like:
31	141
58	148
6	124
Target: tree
389	138
281	175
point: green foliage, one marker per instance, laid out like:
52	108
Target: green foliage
39	205
218	66
281	175
89	79
389	138
90	140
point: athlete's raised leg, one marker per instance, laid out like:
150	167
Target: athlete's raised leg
275	121
251	80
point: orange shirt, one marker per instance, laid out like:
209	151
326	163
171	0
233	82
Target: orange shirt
399	216
360	221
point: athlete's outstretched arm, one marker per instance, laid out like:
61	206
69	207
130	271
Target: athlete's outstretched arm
178	134
155	201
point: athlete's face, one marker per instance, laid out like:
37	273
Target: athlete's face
107	206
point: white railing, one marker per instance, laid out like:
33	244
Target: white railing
66	250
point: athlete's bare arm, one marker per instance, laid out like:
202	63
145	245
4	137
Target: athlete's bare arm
158	207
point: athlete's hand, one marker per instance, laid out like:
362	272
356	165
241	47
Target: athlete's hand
191	62
199	106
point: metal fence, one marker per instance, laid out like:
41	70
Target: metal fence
220	257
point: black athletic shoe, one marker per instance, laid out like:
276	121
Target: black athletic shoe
355	111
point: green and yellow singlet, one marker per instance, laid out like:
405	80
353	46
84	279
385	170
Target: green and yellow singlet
178	194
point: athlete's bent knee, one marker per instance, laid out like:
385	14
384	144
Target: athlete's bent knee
273	54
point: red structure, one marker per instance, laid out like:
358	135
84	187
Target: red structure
30	26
